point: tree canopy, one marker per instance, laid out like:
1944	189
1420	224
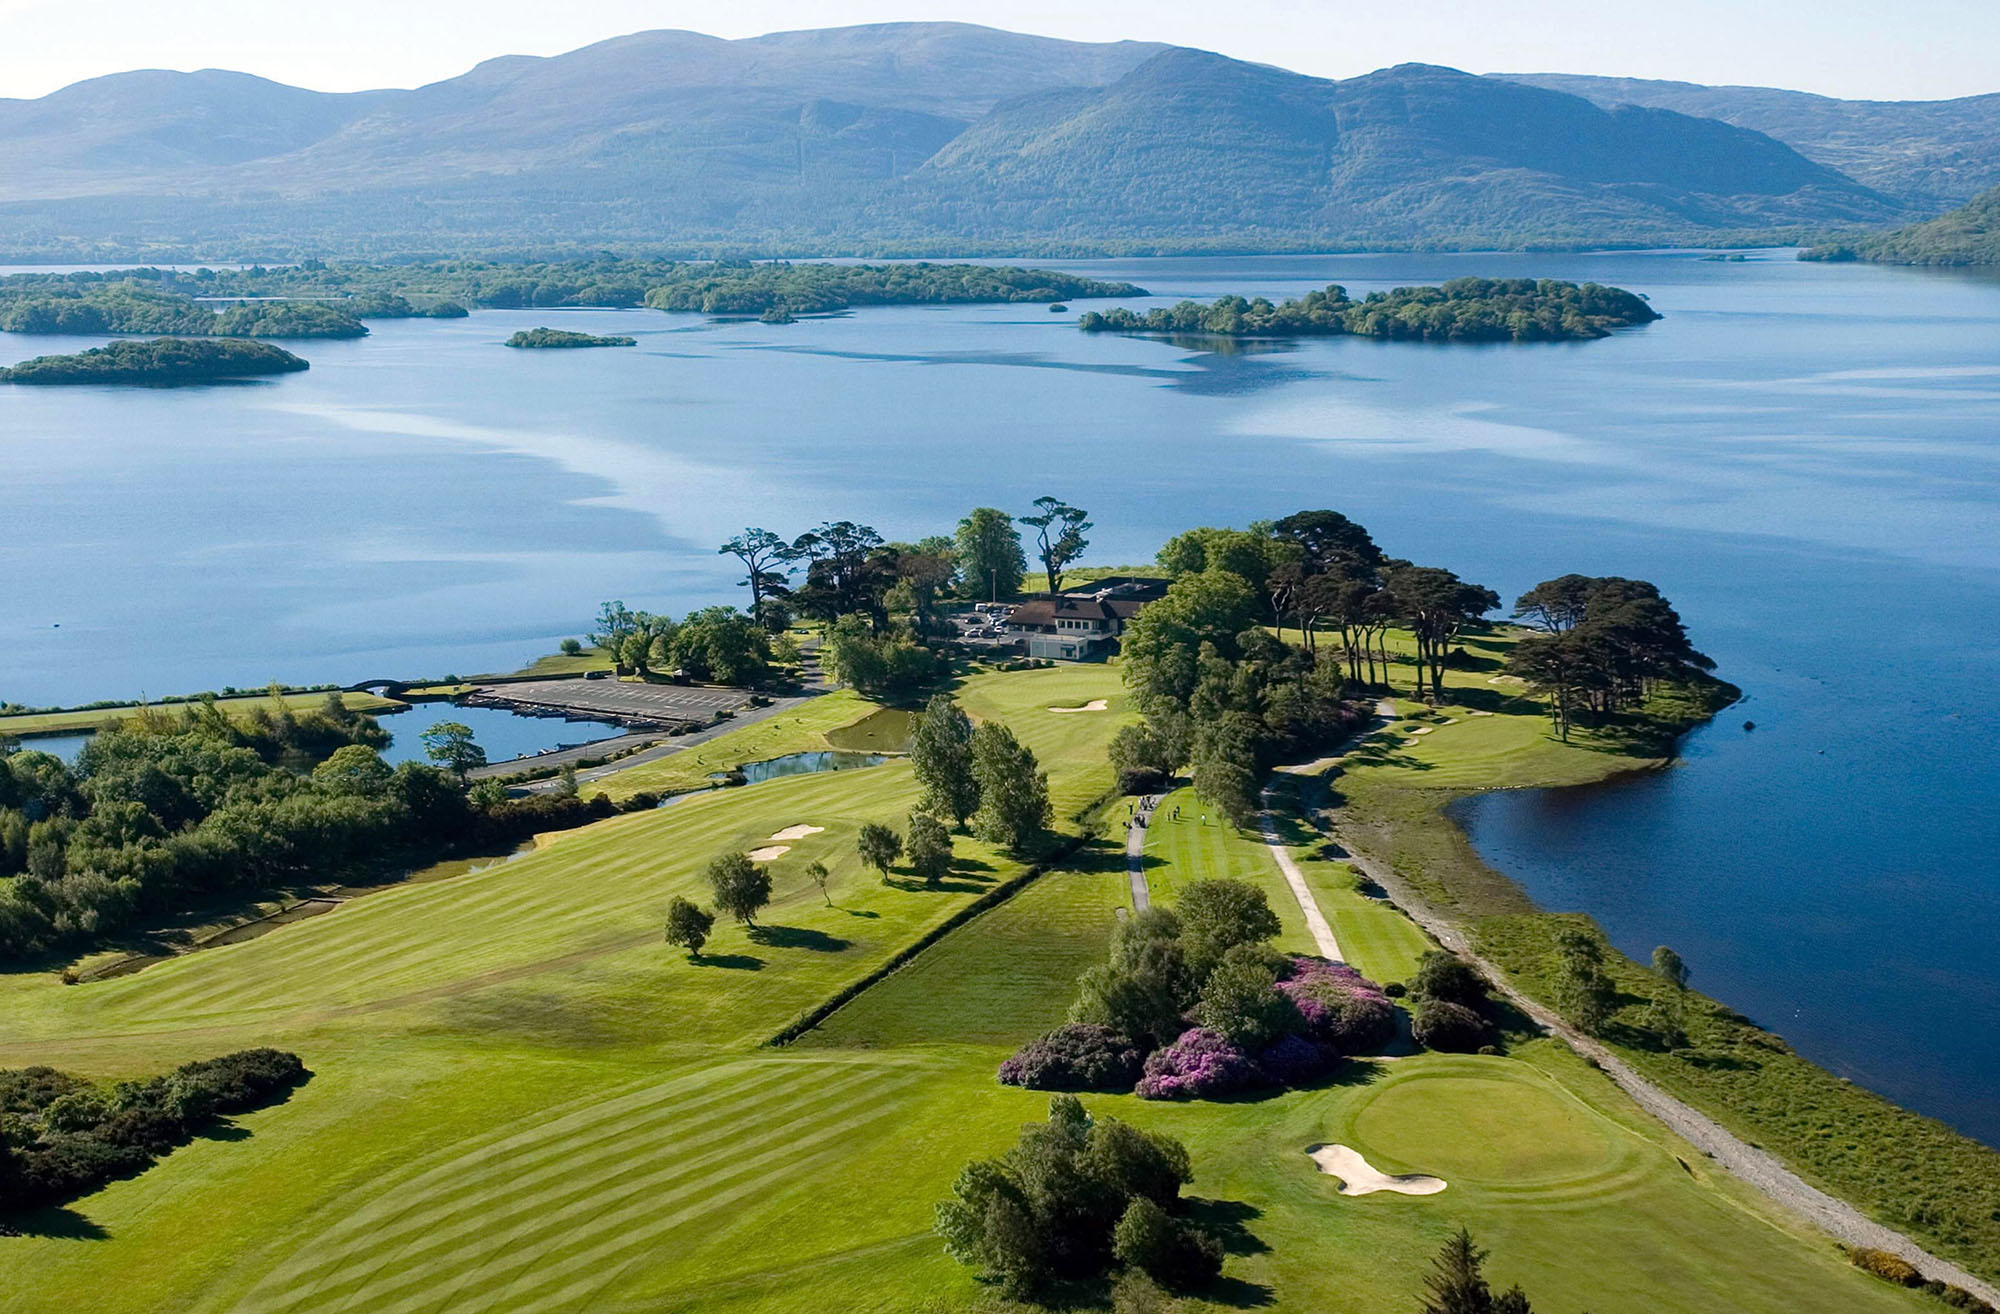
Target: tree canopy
1462	310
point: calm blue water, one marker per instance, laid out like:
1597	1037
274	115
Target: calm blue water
501	733
1804	457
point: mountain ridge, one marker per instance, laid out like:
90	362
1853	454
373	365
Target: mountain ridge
905	137
1933	154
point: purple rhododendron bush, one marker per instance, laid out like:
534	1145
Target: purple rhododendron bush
1342	1009
1075	1056
1193	1003
1200	1065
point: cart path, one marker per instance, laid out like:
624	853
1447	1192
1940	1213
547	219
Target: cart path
1316	922
1135	851
1759	1168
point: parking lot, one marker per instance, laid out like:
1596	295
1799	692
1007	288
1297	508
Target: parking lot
663	704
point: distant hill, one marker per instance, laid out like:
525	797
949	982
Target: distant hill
1191	143
904	137
1969	235
1929	153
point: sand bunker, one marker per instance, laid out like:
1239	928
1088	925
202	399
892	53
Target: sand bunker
796	832
1481	713
1423	730
770	852
1358	1178
1094	705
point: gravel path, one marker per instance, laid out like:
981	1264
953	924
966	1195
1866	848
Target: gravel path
1757	1167
1322	932
1135	852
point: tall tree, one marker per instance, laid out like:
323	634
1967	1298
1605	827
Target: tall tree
1327	537
1436	605
1670	967
941	756
1584	991
451	746
929	847
879	847
1059	536
1013	789
764	556
741	887
1162	646
990	560
688	926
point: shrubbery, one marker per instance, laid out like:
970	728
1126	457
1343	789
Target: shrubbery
1200	1064
61	1137
1076	1056
1197	992
1075	1196
1883	1264
170	807
1448	1027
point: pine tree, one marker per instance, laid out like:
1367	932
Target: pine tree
1456	1284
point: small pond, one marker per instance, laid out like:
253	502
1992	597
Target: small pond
805	764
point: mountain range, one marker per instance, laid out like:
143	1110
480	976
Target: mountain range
931	137
1930	154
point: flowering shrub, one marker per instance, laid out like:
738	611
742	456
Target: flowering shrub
1200	1064
1294	1061
1075	1056
1341	1008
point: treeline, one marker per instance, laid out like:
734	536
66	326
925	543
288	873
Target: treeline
1462	310
1604	644
175	807
160	361
62	1137
44	303
1220	691
444	288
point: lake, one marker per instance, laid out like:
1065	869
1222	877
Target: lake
1802	456
503	734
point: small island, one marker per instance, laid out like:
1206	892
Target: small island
546	339
1462	310
159	363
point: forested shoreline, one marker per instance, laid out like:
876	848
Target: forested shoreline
319	299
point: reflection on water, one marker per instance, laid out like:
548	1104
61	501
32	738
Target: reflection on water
802	764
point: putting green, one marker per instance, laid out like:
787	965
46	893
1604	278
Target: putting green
1505	1129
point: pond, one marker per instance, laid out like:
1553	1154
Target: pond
804	764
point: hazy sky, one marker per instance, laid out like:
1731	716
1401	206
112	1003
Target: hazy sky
1882	49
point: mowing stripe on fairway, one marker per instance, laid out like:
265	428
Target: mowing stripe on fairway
500	1226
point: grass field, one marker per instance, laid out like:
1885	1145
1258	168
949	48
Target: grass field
524	1102
52	723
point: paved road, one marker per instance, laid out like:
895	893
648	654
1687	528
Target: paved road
595	751
1135	851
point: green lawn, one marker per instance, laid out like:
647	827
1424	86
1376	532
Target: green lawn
803	729
525	1103
46	723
